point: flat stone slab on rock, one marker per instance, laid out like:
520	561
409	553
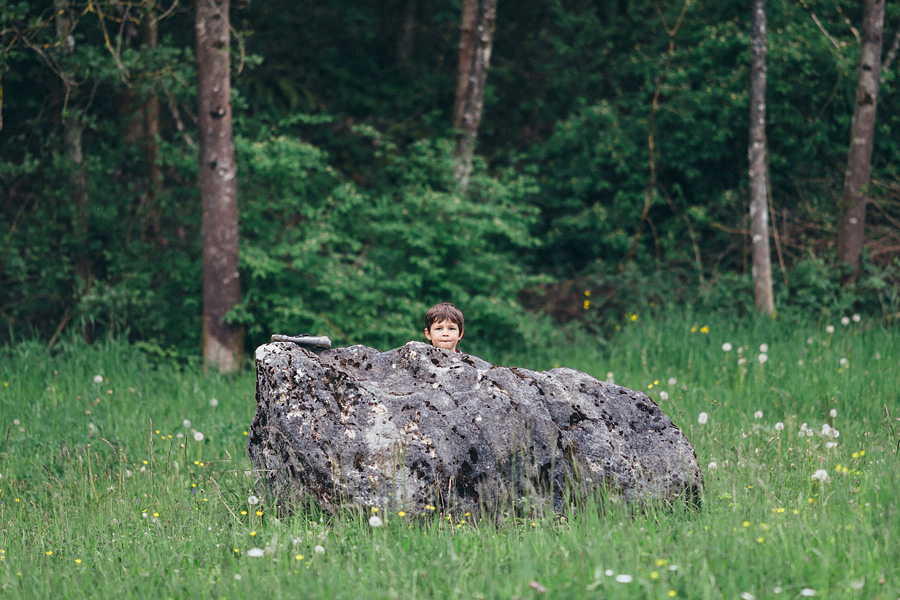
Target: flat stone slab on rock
418	426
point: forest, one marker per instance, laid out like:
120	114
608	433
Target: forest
609	177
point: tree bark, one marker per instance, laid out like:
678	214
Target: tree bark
73	129
862	134
476	41
222	342
759	203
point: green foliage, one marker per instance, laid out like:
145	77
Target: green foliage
363	265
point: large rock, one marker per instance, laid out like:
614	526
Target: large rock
420	426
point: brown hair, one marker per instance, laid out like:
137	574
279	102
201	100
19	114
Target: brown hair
444	311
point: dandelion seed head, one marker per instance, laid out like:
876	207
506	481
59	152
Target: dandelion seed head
214	402
832	413
779	426
98	378
319	550
845	321
758	415
762	358
610	377
609	572
623	578
375	521
702	418
256	552
829	329
808	592
747	596
252	500
844	362
763	348
186	424
820	475
198	436
712	466
672	381
741	361
726	347
663	395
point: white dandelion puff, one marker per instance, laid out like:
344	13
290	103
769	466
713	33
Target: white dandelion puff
712	466
623	578
663	395
758	415
214	402
747	596
856	318
610	377
186	424
832	413
844	362
198	436
763	348
829	329
702	418
726	347
98	378
779	426
845	321
820	475
253	500
672	381
375	521
830	445
808	592
609	572
319	550
256	552
762	358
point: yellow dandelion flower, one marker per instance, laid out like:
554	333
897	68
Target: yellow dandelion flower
587	292
654	574
77	561
587	304
401	514
694	329
760	540
704	329
862	453
246	433
633	317
259	513
661	562
243	512
855	455
796	511
49	552
429	507
746	523
672	593
299	557
146	463
156	514
779	510
374	509
252	533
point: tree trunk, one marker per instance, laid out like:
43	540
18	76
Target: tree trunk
151	119
476	39
862	133
759	203
73	129
222	342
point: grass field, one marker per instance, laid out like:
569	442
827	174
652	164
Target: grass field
125	478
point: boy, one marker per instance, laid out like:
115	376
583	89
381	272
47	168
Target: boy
444	325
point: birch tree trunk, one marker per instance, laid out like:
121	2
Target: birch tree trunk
759	203
222	342
862	134
476	40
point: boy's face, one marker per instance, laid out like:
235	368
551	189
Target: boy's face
444	334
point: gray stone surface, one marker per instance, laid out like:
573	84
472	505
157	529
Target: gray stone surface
418	425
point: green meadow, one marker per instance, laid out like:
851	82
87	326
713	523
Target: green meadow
125	477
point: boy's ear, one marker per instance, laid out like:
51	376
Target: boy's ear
427	334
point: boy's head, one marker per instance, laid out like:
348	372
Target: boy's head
444	326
